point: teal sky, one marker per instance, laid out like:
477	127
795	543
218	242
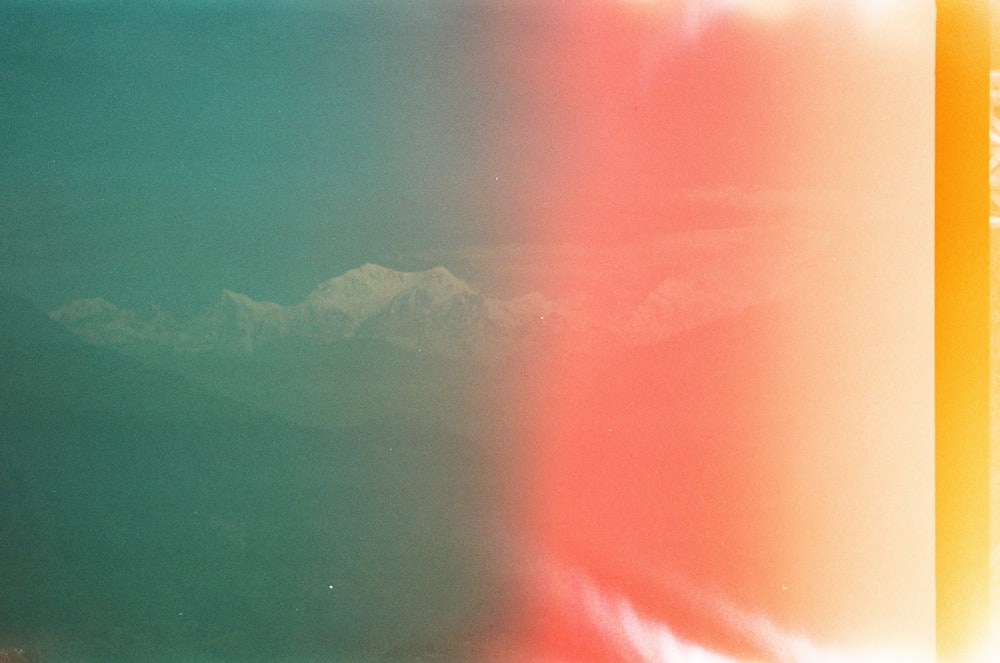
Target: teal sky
154	152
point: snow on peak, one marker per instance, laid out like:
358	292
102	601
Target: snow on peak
348	300
357	294
82	309
100	322
443	283
229	303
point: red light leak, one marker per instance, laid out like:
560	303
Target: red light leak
655	470
647	463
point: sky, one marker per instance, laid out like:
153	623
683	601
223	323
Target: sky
159	150
156	152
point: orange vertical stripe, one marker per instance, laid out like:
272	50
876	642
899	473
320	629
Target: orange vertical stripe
962	327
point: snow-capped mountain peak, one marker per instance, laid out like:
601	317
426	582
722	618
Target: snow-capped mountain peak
359	293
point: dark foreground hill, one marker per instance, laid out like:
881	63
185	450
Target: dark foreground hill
142	518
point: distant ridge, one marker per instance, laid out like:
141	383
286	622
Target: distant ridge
696	278
24	325
432	310
47	372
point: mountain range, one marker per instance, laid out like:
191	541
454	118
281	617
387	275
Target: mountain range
698	280
431	310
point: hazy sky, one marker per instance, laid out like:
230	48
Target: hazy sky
152	151
155	152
